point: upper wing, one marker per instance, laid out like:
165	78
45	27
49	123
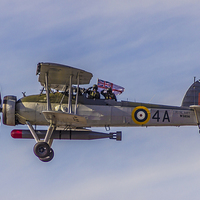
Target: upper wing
59	75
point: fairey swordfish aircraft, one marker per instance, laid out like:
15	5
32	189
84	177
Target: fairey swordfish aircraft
68	115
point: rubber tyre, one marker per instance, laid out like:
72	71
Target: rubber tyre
49	157
41	149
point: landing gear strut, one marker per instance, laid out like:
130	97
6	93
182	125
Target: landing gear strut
42	149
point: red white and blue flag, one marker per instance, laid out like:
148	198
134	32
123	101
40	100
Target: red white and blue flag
104	85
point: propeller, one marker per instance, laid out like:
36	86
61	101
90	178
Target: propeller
0	107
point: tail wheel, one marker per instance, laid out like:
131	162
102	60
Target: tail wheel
41	149
49	157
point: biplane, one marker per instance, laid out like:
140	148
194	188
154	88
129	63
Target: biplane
69	114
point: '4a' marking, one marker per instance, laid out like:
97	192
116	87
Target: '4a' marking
157	116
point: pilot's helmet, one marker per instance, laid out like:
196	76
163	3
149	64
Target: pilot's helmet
95	87
109	90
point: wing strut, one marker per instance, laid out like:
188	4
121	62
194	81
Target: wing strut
65	90
70	95
47	92
77	92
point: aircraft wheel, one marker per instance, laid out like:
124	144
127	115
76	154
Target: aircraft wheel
41	149
49	157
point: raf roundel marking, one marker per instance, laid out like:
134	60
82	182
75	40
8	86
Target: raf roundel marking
141	115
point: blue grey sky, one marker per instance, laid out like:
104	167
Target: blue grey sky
151	48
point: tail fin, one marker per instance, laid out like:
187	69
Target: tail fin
192	96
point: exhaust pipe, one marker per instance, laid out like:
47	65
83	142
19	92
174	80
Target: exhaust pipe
68	135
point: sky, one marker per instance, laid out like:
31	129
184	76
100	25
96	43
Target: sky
151	48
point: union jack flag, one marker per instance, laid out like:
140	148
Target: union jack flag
103	85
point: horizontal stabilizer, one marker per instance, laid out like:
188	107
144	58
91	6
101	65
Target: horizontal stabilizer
196	109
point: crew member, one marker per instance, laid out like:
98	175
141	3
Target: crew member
93	94
108	94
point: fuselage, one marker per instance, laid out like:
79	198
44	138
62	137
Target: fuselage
100	112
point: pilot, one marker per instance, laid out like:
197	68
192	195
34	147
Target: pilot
93	94
108	94
80	93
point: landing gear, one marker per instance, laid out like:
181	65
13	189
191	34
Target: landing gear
49	157
41	149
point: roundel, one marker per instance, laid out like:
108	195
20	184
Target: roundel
141	115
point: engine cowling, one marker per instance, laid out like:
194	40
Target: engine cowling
8	111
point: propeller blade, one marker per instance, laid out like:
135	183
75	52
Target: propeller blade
0	103
0	107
